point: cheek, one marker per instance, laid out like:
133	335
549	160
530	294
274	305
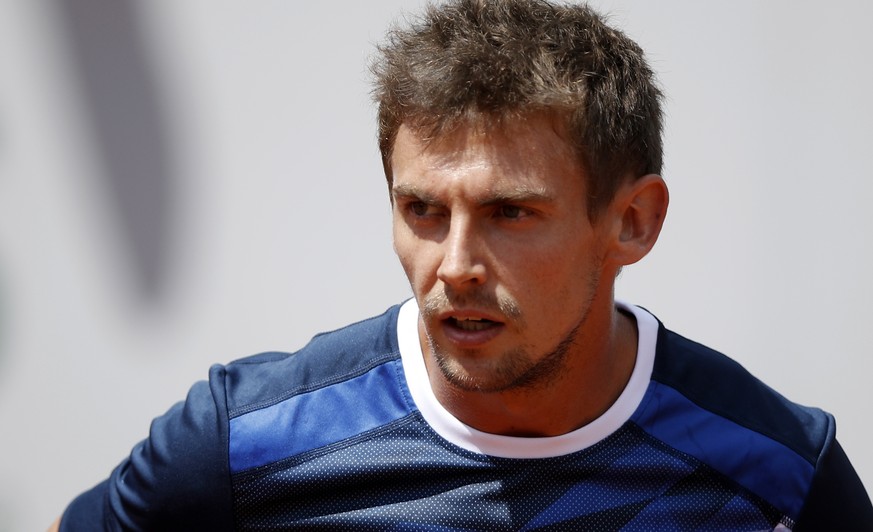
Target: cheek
402	240
551	275
404	255
413	257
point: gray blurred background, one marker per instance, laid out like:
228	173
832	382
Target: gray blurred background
189	182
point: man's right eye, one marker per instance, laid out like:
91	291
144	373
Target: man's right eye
418	208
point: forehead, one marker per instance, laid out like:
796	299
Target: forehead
529	151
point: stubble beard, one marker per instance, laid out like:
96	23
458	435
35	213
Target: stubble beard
515	369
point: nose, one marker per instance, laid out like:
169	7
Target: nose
462	265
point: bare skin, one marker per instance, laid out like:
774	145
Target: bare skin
518	328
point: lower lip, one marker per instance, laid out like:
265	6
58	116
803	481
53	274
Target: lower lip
469	339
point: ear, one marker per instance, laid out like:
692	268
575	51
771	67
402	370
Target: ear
638	211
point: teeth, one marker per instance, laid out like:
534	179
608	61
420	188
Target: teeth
472	324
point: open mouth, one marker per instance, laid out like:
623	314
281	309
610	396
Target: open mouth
471	324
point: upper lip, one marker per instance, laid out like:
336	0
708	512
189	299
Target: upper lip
467	314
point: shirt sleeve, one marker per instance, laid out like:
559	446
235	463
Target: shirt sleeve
837	499
176	479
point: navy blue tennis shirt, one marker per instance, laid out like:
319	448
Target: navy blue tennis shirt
346	434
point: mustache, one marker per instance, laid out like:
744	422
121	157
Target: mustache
439	301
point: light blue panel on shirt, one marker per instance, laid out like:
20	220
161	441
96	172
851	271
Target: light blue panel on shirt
318	418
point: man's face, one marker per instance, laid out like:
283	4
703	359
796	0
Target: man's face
492	231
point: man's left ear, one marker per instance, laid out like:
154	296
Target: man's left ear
637	211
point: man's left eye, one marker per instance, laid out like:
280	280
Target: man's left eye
511	211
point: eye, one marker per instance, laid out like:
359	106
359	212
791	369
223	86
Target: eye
421	210
512	212
418	208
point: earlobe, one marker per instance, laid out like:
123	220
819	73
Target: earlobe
641	209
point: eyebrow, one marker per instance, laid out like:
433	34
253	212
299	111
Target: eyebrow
520	194
404	190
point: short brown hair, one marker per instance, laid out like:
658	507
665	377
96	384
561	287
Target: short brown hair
495	59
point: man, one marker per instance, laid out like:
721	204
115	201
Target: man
522	146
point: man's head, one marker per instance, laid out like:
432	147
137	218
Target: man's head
500	122
480	61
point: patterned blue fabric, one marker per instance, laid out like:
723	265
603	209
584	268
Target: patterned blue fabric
330	439
629	481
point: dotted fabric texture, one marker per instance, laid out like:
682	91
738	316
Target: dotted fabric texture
405	477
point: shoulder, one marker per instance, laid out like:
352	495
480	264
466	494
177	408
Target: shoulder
253	382
707	406
179	478
277	403
721	386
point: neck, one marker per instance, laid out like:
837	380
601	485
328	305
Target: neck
593	375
